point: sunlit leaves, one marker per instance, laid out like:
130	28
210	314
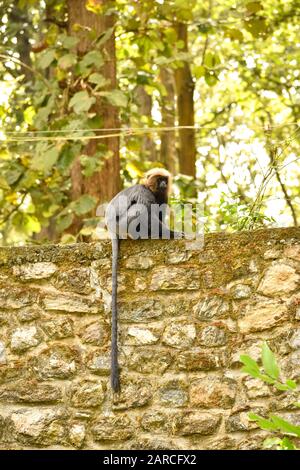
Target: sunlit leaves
198	71
81	102
184	9
26	223
29	114
94	6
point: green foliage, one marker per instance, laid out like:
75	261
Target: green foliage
241	216
271	375
244	62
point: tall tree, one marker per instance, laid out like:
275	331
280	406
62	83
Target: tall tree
185	109
105	183
144	103
168	139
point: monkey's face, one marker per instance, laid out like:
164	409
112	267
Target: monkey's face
162	184
158	181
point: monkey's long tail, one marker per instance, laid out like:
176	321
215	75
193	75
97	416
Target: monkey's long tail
115	380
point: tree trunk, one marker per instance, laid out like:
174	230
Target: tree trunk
144	103
168	154
185	110
104	184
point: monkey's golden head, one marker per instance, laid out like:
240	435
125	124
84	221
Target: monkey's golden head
158	180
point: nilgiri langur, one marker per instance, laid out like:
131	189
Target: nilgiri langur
137	212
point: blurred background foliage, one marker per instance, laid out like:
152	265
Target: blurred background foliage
91	90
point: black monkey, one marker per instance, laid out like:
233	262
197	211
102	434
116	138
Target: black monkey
136	212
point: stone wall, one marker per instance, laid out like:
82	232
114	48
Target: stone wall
185	317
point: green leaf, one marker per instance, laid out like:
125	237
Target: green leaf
254	7
269	362
286	444
81	102
98	80
263	423
211	60
68	42
115	97
280	386
199	71
32	225
45	157
291	384
210	79
271	442
84	204
91	59
67	60
252	372
3	184
63	222
285	426
170	35
29	114
104	37
256	26
68	155
87	231
26	223
249	362
46	58
266	378
67	239
234	34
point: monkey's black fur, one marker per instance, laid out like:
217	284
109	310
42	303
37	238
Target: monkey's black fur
126	206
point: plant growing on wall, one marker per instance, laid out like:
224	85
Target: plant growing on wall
282	431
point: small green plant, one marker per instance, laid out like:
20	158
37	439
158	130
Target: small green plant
241	216
269	373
